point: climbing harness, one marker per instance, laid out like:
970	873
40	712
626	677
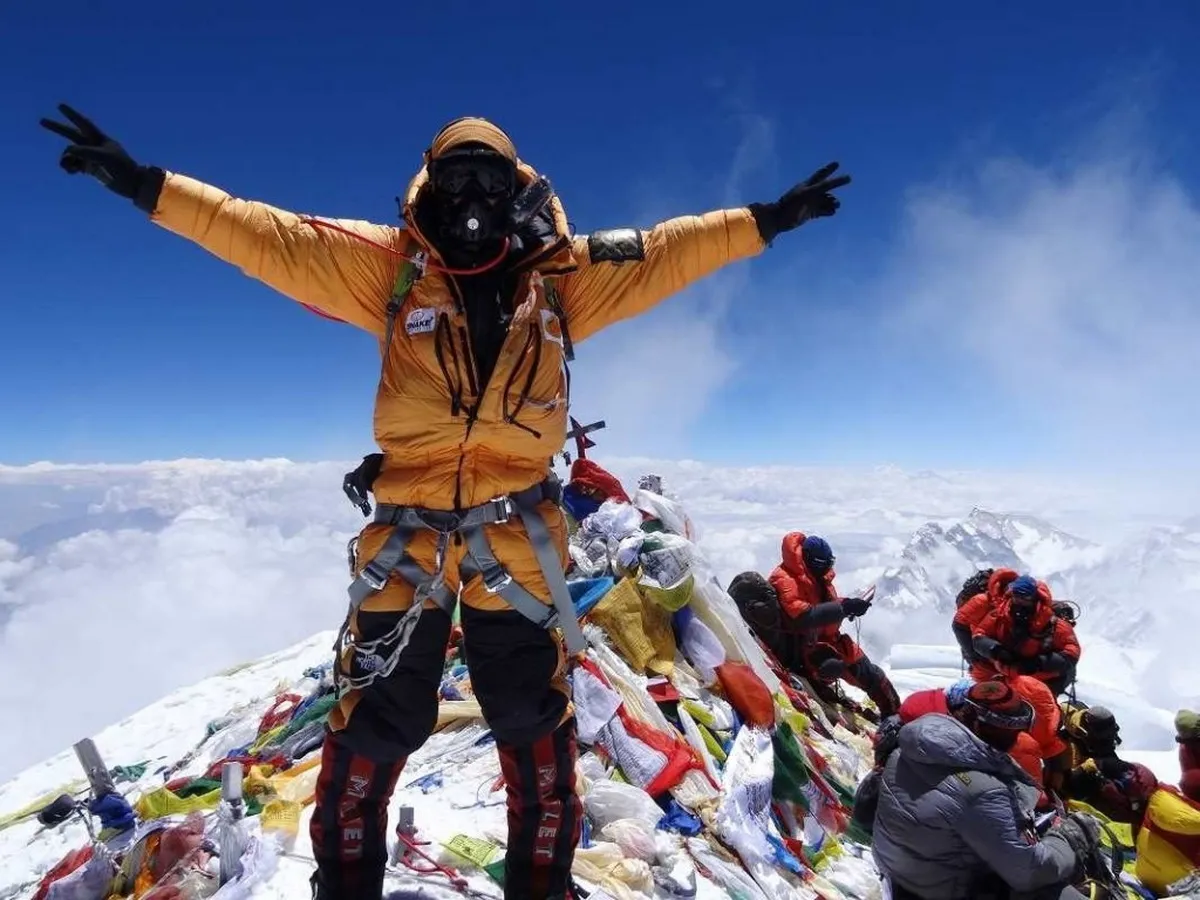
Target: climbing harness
468	527
377	658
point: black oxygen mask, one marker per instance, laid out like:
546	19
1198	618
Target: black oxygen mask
472	193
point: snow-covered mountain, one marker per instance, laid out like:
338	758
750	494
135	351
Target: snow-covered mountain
937	558
1136	594
138	573
186	731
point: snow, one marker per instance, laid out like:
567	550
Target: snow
209	563
167	730
183	552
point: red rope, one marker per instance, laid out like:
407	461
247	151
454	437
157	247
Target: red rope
412	847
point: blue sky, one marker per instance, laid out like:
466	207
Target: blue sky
988	296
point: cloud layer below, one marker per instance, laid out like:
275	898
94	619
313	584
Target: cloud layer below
121	583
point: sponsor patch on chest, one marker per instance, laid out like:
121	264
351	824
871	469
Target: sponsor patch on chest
420	321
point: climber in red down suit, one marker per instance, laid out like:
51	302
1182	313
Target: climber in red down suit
811	617
1023	633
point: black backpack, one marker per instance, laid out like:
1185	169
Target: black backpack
757	602
1066	610
976	584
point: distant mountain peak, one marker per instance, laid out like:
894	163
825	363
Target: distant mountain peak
938	557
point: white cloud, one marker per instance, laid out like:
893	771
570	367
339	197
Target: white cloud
653	381
246	558
1073	289
162	573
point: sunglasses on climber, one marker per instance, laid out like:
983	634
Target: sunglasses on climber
484	170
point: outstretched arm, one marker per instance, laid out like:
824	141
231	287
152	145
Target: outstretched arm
336	273
624	272
345	271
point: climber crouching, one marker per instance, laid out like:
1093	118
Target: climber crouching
797	614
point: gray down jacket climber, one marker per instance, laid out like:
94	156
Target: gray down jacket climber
952	810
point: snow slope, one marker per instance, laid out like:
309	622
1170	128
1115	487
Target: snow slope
220	545
180	553
170	729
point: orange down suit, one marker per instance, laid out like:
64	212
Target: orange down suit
1046	745
1047	634
798	592
968	616
435	454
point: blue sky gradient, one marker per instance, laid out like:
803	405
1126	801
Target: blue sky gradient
122	342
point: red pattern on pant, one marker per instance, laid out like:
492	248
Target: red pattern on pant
545	815
349	823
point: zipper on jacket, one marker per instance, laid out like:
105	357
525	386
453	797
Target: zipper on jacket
511	418
472	371
462	458
471	409
468	352
453	384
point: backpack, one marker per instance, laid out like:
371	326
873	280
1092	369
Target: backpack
976	584
757	602
1067	611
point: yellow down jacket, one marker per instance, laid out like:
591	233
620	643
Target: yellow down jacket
447	440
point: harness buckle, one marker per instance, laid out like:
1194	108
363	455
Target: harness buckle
504	509
496	580
374	575
444	523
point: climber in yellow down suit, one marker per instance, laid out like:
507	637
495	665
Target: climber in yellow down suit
477	301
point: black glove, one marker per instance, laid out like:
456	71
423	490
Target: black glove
887	739
95	153
988	647
1112	767
855	606
357	484
809	199
1082	833
831	669
1082	782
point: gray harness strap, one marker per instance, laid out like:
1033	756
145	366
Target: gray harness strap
394	558
426	587
497	580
